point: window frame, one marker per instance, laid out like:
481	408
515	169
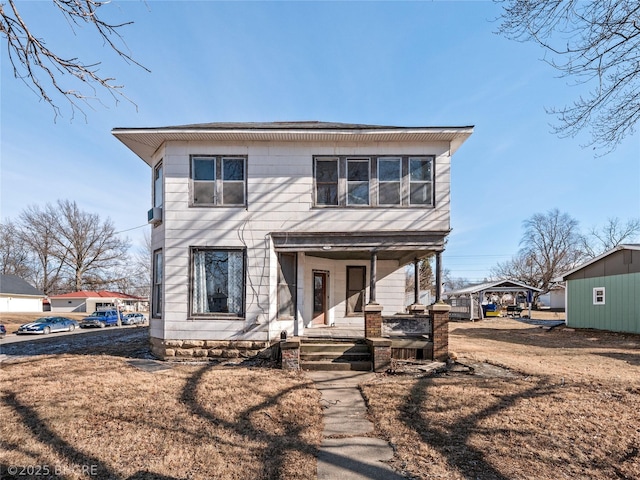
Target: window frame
405	183
218	180
243	296
292	287
362	291
158	189
157	284
599	296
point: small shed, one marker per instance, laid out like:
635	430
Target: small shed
17	295
466	303
604	293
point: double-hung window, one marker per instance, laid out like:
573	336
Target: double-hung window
157	185
420	181
156	294
326	176
356	278
389	181
599	296
217	282
358	181
374	181
218	180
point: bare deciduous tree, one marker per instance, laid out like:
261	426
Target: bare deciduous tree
551	245
37	232
14	255
594	43
89	247
51	75
609	236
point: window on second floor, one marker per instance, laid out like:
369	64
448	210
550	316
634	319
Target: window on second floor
218	180
157	185
386	181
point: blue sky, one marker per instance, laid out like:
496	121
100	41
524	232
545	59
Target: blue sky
389	63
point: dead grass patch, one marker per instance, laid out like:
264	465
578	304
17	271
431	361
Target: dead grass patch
572	412
191	421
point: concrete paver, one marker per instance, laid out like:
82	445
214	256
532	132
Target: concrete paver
345	454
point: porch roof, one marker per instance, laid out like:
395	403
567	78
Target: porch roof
404	246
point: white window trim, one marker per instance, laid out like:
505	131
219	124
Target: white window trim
218	182
405	181
597	295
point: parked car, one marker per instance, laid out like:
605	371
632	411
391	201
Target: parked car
133	319
47	325
3	331
100	319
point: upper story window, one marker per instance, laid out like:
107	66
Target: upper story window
218	180
420	181
326	176
386	181
157	185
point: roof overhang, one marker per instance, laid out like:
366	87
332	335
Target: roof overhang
497	286
403	246
631	246
145	142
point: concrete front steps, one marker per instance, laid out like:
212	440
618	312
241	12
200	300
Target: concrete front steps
333	355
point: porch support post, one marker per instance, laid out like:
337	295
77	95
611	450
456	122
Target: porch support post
438	276
416	308
372	277
416	281
439	313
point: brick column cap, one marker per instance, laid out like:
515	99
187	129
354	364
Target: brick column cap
439	307
378	342
290	344
373	307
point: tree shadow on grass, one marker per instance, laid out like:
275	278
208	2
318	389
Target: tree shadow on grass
453	442
276	445
77	461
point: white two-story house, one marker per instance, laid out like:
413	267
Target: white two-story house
260	228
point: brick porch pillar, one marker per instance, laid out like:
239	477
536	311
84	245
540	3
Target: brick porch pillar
290	350
439	313
373	320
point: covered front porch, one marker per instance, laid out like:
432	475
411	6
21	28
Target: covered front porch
340	287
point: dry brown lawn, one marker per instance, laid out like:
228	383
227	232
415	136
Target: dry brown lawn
568	407
97	413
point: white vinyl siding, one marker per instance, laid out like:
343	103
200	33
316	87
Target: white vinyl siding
280	196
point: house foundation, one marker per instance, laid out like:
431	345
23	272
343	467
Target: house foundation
190	350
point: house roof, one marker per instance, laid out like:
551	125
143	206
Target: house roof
144	142
92	294
495	286
14	285
627	246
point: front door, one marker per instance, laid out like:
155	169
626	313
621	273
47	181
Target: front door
320	284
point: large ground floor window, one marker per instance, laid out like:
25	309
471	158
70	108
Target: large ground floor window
217	281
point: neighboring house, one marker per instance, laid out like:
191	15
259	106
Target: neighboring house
16	295
466	302
88	301
261	228
604	293
554	299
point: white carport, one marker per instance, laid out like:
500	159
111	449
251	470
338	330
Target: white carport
476	295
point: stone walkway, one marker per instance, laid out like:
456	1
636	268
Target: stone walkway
346	452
